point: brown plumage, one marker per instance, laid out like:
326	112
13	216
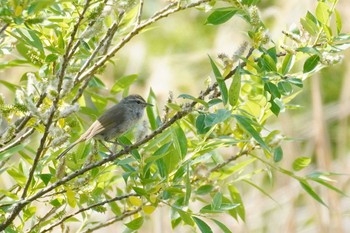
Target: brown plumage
114	122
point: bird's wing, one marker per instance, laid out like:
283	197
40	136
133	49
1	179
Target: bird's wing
110	119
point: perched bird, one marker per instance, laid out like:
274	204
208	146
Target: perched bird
114	122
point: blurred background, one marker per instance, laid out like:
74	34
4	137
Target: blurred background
172	56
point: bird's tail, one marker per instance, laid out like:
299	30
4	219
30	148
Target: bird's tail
68	148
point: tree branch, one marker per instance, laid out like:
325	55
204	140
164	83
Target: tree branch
88	208
4	28
113	220
17	141
20	205
164	13
139	14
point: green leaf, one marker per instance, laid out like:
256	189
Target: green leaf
205	189
267	63
329	186
311	192
72	201
29	212
311	63
310	24
13	150
277	154
123	83
250	2
39	5
301	163
185	217
217	201
186	96
17	175
236	198
220	80
140	191
12	87
215	118
115	208
235	89
56	202
152	112
30	38
203	227
285	88
272	89
96	82
222	226
135	224
51	57
160	153
308	50
180	140
287	63
188	186
280	104
12	63
338	21
323	12
200	124
246	124
260	189
296	81
129	17
221	15
224	207
45	178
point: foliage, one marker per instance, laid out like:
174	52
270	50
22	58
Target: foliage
183	160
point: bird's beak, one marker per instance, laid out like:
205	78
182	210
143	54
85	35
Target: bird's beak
151	105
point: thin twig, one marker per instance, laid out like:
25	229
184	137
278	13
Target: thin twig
17	208
21	204
60	77
133	33
18	140
113	220
4	28
53	210
88	208
105	42
139	14
229	160
110	33
21	123
89	26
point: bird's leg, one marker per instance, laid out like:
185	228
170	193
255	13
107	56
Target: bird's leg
106	147
118	143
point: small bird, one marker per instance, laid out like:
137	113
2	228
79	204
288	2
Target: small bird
114	122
